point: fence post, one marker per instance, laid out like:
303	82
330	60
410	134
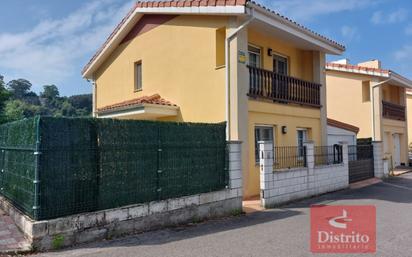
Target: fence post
378	158
36	181
266	169
235	166
345	159
345	152
310	155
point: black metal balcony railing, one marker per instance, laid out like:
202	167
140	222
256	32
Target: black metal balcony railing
393	111
283	89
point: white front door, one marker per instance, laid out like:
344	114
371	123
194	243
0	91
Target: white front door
396	150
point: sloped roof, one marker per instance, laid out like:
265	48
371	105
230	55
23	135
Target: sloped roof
142	6
342	125
153	99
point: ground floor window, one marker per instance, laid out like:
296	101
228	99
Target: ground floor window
302	137
262	133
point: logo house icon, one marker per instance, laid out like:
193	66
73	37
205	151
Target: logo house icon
340	221
343	229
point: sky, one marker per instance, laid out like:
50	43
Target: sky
49	41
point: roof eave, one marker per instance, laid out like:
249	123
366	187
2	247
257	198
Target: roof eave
139	12
360	72
400	79
207	10
124	110
117	38
287	25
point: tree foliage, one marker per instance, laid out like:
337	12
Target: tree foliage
17	101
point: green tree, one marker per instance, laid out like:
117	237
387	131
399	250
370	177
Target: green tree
50	92
4	96
82	103
18	109
19	88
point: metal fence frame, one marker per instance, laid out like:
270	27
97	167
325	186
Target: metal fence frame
54	167
289	157
327	155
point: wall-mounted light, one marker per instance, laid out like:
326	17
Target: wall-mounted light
270	52
284	130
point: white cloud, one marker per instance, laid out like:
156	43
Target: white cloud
303	10
350	33
50	51
379	17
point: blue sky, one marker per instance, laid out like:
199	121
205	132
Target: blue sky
49	41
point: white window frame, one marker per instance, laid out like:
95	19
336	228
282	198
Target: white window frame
138	76
259	64
259	126
305	138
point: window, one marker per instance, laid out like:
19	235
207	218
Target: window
254	56
280	64
366	91
138	76
302	137
220	47
262	133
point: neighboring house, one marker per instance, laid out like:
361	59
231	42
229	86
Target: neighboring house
216	61
373	99
341	132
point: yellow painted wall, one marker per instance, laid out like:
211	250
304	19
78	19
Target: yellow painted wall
278	115
178	62
345	101
346	104
300	61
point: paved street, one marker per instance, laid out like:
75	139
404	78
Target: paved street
279	232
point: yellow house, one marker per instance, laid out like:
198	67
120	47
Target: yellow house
373	99
228	61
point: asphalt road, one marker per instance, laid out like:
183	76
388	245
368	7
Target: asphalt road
279	232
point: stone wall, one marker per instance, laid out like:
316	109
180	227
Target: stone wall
88	227
282	186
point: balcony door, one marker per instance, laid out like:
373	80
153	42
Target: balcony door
280	65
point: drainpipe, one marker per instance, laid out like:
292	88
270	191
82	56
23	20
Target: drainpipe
373	106
227	60
93	83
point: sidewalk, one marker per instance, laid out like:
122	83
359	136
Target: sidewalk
283	232
11	238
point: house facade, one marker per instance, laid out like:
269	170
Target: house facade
217	61
373	99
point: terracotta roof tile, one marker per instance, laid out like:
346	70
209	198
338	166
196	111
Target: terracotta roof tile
355	67
342	125
153	99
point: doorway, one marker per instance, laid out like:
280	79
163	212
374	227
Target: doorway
396	150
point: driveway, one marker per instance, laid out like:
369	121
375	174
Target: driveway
278	232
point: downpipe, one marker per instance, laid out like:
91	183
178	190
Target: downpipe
227	61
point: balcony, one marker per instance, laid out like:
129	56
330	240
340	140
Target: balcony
393	111
279	88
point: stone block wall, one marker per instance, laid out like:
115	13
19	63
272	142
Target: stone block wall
282	186
88	227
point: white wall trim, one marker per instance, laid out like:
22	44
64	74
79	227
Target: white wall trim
152	109
215	10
